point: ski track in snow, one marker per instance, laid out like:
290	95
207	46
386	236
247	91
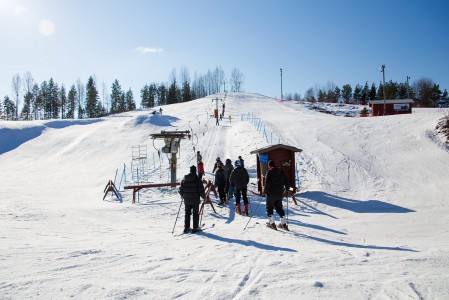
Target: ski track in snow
371	220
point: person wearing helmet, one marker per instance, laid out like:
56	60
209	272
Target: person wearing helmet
216	163
220	182
199	157
240	179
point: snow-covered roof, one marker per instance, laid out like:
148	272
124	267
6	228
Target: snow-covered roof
390	101
272	147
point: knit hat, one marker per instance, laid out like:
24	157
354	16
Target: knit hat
271	163
192	169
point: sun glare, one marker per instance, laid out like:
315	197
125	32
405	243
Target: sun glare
46	27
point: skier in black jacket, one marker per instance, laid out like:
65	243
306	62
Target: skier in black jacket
240	179
220	183
191	190
228	167
276	182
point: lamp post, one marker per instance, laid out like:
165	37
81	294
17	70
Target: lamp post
382	69
408	88
282	96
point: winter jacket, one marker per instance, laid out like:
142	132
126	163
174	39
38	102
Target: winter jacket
228	168
192	189
200	168
216	165
275	182
240	178
220	178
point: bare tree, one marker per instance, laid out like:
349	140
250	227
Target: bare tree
105	97
28	98
80	91
237	80
16	91
184	75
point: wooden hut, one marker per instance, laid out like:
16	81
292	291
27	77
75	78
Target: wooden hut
392	107
283	156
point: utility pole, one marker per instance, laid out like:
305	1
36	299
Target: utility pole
408	88
382	69
282	96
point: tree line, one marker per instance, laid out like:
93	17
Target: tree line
424	92
50	100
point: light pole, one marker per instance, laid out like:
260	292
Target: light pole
282	96
382	69
408	88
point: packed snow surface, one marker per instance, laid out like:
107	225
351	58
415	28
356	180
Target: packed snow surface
372	220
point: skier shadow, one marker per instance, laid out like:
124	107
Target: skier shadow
247	243
258	211
357	206
351	245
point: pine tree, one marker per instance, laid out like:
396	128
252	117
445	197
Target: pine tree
145	98
380	91
92	101
357	93
27	102
372	92
186	94
37	103
53	99
365	94
71	103
129	99
63	102
346	93
162	94
10	108
116	94
172	94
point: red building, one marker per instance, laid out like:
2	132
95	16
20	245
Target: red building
392	107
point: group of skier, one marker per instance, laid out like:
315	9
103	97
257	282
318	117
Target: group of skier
232	180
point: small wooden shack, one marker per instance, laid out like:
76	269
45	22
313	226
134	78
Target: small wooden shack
392	107
283	156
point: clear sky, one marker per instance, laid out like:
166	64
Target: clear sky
142	41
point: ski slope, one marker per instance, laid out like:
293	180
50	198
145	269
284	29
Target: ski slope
372	220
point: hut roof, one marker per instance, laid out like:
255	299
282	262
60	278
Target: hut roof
272	147
394	101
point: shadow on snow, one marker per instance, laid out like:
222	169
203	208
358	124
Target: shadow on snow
11	138
357	206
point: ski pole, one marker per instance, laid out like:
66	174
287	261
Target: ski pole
286	197
260	197
177	215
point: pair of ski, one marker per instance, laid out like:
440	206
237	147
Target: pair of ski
201	229
276	228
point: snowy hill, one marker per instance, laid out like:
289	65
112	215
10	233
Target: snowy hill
372	219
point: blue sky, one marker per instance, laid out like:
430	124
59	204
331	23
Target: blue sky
314	42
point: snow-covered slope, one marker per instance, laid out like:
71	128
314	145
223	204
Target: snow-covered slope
372	219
